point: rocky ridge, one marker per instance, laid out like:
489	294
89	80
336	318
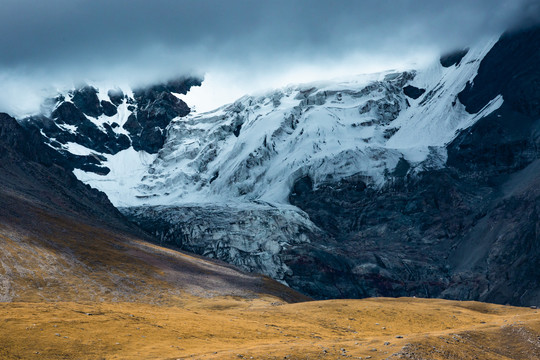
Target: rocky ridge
87	125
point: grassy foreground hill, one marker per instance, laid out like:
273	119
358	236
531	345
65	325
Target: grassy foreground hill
264	328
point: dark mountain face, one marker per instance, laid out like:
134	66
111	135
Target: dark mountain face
508	139
29	170
468	231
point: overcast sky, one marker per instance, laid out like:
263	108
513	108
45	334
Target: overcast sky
241	46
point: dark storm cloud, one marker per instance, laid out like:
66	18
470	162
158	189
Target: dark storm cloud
142	40
50	31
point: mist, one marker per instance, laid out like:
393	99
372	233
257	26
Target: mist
240	46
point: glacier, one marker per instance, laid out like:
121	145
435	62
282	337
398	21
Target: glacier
255	148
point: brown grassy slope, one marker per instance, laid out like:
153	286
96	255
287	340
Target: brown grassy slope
45	256
234	328
62	240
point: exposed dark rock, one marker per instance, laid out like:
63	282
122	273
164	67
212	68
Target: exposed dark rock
394	240
87	101
509	138
388	133
150	140
302	186
453	58
402	168
108	108
132	125
497	259
413	92
509	69
87	134
322	273
16	140
237	129
179	86
157	106
68	113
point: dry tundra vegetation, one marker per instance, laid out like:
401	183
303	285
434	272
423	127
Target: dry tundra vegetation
73	288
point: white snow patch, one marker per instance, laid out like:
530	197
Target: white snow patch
77	149
127	169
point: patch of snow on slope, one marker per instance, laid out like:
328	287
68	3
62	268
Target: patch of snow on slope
435	118
77	149
127	168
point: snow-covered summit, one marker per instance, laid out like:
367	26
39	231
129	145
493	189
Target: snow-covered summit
254	149
112	133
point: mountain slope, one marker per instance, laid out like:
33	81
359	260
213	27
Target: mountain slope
62	240
78	282
392	184
412	196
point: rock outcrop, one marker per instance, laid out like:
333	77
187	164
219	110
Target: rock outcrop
84	129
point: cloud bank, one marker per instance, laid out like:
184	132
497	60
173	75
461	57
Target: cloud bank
242	45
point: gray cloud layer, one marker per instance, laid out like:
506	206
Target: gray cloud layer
139	41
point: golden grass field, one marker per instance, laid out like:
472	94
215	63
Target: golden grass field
71	289
266	328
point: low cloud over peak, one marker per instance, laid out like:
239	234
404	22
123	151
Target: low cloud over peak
55	43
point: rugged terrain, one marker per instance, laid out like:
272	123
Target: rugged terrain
404	183
77	281
64	241
415	184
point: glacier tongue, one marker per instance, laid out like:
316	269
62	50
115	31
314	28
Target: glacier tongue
250	236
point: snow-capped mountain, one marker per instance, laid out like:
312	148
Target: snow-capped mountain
257	147
371	185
